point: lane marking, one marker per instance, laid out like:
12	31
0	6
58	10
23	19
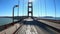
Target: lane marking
28	19
28	29
35	31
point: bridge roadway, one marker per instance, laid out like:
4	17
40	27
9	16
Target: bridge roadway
31	26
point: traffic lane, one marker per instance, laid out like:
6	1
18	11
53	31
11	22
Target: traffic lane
46	28
43	31
31	30
41	26
27	29
21	30
34	27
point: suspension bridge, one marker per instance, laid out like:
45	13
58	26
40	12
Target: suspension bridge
30	24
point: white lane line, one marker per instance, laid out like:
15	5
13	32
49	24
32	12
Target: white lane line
28	19
35	31
22	30
28	29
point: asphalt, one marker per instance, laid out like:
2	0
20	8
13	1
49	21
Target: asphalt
31	26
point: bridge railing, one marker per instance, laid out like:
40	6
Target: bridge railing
9	28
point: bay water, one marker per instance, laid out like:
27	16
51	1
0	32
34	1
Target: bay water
4	21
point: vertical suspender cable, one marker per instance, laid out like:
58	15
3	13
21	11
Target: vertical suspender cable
45	8
18	8
38	9
41	7
23	7
55	8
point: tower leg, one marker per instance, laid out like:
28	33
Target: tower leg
30	10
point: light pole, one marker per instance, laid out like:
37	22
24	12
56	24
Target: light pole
13	11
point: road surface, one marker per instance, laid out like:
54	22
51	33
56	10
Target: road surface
31	26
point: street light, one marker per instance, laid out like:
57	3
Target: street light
13	11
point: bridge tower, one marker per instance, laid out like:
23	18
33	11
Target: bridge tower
30	8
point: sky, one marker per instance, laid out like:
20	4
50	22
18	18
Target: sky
40	7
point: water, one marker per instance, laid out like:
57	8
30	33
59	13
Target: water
4	21
57	18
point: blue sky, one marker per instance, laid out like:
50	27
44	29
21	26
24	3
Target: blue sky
39	9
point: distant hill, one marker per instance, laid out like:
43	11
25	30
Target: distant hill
48	17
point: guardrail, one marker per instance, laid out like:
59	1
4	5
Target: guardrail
52	25
9	27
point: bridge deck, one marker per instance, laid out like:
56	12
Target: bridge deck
55	25
31	26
